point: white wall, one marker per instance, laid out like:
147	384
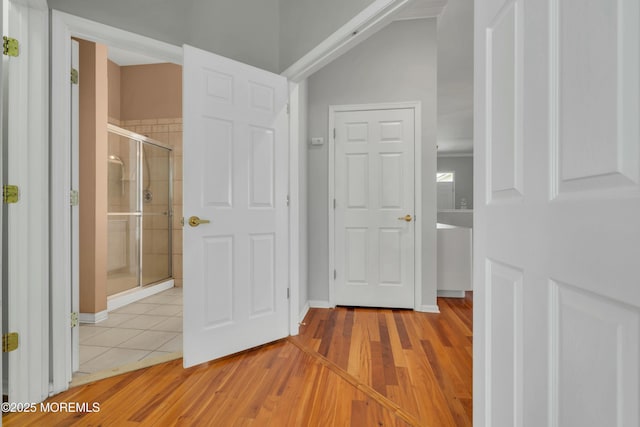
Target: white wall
399	63
244	30
463	168
306	23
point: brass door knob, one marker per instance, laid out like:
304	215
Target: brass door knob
407	218
194	221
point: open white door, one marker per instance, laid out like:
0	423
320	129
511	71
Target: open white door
557	213
236	177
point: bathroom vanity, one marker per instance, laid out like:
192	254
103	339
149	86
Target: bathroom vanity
454	260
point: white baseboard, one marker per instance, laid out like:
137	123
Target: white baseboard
303	312
451	294
93	317
126	298
319	304
428	309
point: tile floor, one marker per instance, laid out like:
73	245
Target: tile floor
147	328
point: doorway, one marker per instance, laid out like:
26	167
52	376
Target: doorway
374	204
127	162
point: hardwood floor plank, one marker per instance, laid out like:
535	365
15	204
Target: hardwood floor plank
348	367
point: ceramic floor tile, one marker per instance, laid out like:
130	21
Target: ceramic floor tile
136	308
112	337
172	291
113	358
148	340
163	299
173	345
87	332
155	354
88	352
143	321
166	310
171	324
115	319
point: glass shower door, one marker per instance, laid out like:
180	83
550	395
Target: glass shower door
156	213
124	216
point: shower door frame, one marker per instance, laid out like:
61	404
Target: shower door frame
140	140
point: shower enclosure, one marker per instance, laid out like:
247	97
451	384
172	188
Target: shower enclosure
139	211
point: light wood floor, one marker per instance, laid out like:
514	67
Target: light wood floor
348	366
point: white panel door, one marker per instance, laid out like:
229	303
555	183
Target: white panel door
236	177
557	213
374	191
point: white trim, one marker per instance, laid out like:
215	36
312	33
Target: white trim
294	207
303	313
428	309
126	298
65	26
27	164
314	303
93	318
377	15
417	108
100	33
451	294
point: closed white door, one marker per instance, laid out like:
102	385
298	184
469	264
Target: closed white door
236	177
557	213
374	208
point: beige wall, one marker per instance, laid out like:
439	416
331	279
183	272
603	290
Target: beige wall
93	177
151	92
114	90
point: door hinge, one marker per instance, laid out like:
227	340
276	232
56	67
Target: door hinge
335	274
288	200
9	342
334	134
74	319
74	76
10	47
334	203
288	108
10	194
288	293
74	199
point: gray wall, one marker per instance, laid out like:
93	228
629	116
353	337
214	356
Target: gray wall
244	30
398	63
463	167
306	23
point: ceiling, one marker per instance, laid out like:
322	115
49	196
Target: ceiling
455	69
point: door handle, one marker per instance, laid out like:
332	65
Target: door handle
407	218
194	221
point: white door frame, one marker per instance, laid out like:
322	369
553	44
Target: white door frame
28	160
65	26
416	106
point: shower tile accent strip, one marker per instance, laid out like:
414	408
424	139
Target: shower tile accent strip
147	328
169	132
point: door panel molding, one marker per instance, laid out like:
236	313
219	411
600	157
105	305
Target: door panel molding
356	133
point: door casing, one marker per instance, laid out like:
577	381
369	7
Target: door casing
63	27
416	106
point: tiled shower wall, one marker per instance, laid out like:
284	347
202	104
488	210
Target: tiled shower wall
167	131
